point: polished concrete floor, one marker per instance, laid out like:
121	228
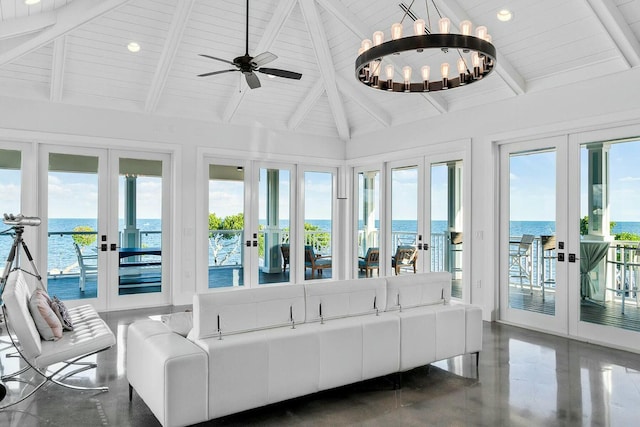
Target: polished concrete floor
525	378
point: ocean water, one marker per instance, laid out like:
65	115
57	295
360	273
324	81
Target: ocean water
62	255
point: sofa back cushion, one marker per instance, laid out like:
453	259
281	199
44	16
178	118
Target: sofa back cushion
16	298
237	310
345	298
418	289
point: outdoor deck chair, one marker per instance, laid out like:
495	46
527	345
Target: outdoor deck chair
57	360
548	247
370	262
520	260
284	249
315	262
406	255
87	263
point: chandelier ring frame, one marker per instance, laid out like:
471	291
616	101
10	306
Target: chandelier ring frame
427	41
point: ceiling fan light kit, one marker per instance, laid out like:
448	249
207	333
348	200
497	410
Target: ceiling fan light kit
248	64
475	55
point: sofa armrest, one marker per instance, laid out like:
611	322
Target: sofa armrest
473	329
169	372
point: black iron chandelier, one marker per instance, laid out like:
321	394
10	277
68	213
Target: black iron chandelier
473	54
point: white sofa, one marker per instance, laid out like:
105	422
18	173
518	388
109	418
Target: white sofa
253	347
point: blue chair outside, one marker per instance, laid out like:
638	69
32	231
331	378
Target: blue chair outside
315	262
370	262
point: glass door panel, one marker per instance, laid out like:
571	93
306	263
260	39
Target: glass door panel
10	189
447	222
273	236
533	234
226	226
610	235
72	228
140	202
404	219
368	217
318	224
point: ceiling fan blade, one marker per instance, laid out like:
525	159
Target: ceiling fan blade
252	80
217	59
216	72
263	58
280	73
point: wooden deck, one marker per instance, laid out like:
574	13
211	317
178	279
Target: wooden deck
607	314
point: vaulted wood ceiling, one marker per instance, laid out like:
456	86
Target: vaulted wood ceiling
74	52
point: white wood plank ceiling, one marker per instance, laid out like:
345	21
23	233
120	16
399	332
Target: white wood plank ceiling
75	52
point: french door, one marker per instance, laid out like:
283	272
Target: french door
250	232
104	226
424	217
535	250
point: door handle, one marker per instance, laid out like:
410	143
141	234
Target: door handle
572	258
248	243
103	247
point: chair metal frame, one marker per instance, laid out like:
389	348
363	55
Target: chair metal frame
54	376
13	264
521	260
84	267
547	254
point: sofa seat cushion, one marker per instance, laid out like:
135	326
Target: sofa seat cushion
340	351
257	368
90	334
431	333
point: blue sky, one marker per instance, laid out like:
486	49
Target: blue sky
532	178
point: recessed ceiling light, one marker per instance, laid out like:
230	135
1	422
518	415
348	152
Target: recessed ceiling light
31	2
133	47
504	15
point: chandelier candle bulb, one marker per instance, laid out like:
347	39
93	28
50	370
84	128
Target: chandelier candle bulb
378	38
425	70
389	72
465	28
444	70
475	61
445	25
363	70
406	74
375	73
481	32
419	27
365	45
462	70
396	31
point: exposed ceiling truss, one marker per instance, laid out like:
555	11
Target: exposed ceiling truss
43	56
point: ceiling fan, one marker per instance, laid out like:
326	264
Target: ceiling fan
247	64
